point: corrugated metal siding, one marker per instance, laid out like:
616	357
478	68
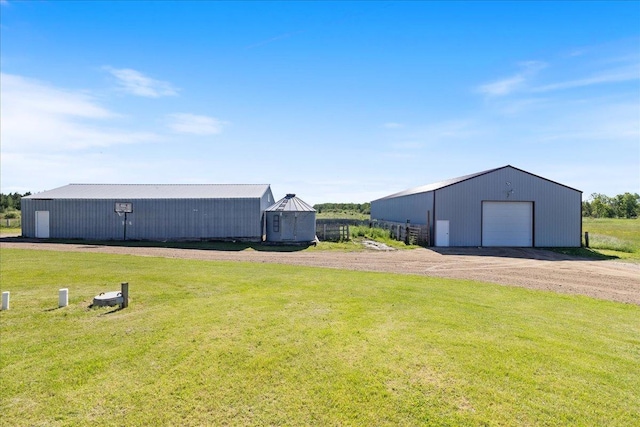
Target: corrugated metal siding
558	220
73	219
557	209
266	200
400	209
162	219
304	224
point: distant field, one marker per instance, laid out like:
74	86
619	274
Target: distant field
611	236
223	343
343	215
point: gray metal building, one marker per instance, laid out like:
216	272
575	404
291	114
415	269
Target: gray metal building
148	212
290	220
505	206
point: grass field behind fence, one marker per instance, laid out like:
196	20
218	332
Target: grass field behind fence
220	343
612	236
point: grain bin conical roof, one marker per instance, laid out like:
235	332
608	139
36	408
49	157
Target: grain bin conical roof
290	203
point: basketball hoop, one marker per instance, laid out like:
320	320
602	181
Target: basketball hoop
123	208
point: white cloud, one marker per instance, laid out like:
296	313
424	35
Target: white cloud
450	129
502	87
393	125
23	95
274	39
194	124
623	74
37	117
610	122
577	52
52	136
136	83
511	84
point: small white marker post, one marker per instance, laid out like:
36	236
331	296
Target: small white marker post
63	297
5	300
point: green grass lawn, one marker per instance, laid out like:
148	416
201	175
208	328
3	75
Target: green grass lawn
215	343
614	237
10	230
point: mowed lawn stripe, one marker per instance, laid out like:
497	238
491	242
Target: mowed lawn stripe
224	343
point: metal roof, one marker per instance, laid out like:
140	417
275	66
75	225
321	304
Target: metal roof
452	181
154	191
290	203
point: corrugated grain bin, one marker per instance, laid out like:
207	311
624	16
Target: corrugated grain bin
290	220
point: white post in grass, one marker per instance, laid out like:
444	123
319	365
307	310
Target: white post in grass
63	297
5	300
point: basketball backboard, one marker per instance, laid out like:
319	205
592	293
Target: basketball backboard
124	207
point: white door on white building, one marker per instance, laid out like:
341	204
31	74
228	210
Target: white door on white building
442	232
42	224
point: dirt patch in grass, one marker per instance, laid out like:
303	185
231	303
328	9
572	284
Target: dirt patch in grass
528	268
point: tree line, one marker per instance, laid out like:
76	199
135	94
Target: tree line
11	201
625	205
362	208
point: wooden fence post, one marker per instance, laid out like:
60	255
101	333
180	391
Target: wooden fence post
124	290
586	239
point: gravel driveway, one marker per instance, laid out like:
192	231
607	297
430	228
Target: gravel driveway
528	268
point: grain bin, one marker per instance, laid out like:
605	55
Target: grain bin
290	220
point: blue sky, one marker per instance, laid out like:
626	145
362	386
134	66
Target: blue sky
334	101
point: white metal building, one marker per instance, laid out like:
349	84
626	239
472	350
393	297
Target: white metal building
148	212
505	206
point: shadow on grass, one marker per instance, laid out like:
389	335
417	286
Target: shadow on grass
198	245
543	254
112	311
589	253
115	310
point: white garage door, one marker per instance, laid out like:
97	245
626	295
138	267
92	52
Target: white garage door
507	224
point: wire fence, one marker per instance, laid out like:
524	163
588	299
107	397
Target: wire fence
411	234
10	223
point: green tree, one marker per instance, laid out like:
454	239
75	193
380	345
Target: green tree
626	205
602	206
11	201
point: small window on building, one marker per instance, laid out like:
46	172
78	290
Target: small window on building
276	224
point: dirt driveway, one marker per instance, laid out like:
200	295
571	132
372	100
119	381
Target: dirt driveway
529	268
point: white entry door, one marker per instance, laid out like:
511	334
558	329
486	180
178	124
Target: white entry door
42	224
507	224
442	232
